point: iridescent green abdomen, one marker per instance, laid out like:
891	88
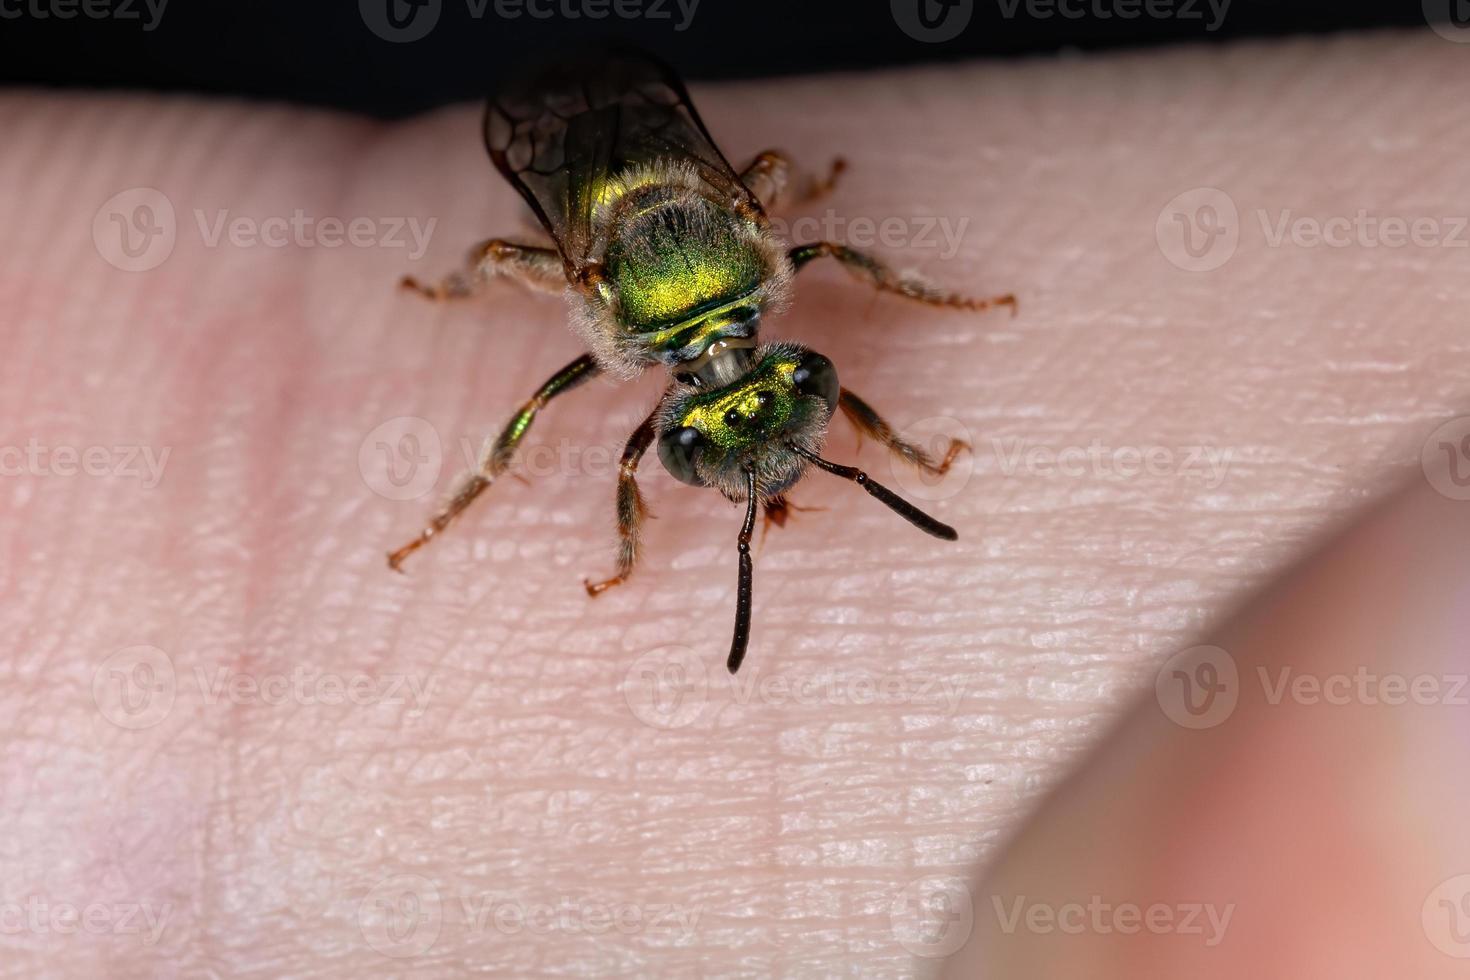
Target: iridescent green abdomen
685	272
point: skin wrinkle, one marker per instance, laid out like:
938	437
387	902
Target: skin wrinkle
789	827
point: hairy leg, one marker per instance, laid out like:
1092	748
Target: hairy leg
870	270
773	178
869	423
631	508
498	455
531	265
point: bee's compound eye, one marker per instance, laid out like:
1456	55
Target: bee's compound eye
815	375
678	449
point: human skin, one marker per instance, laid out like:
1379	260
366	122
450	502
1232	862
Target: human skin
911	713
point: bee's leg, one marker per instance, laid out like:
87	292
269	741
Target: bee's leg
866	267
498	456
870	423
539	268
631	508
777	511
770	173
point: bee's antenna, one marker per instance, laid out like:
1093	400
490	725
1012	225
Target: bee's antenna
742	593
893	501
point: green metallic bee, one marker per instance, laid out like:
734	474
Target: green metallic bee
667	256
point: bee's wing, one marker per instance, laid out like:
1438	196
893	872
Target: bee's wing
558	138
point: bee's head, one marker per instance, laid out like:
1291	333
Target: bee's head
713	437
753	437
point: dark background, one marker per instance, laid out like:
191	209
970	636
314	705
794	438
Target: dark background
326	52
